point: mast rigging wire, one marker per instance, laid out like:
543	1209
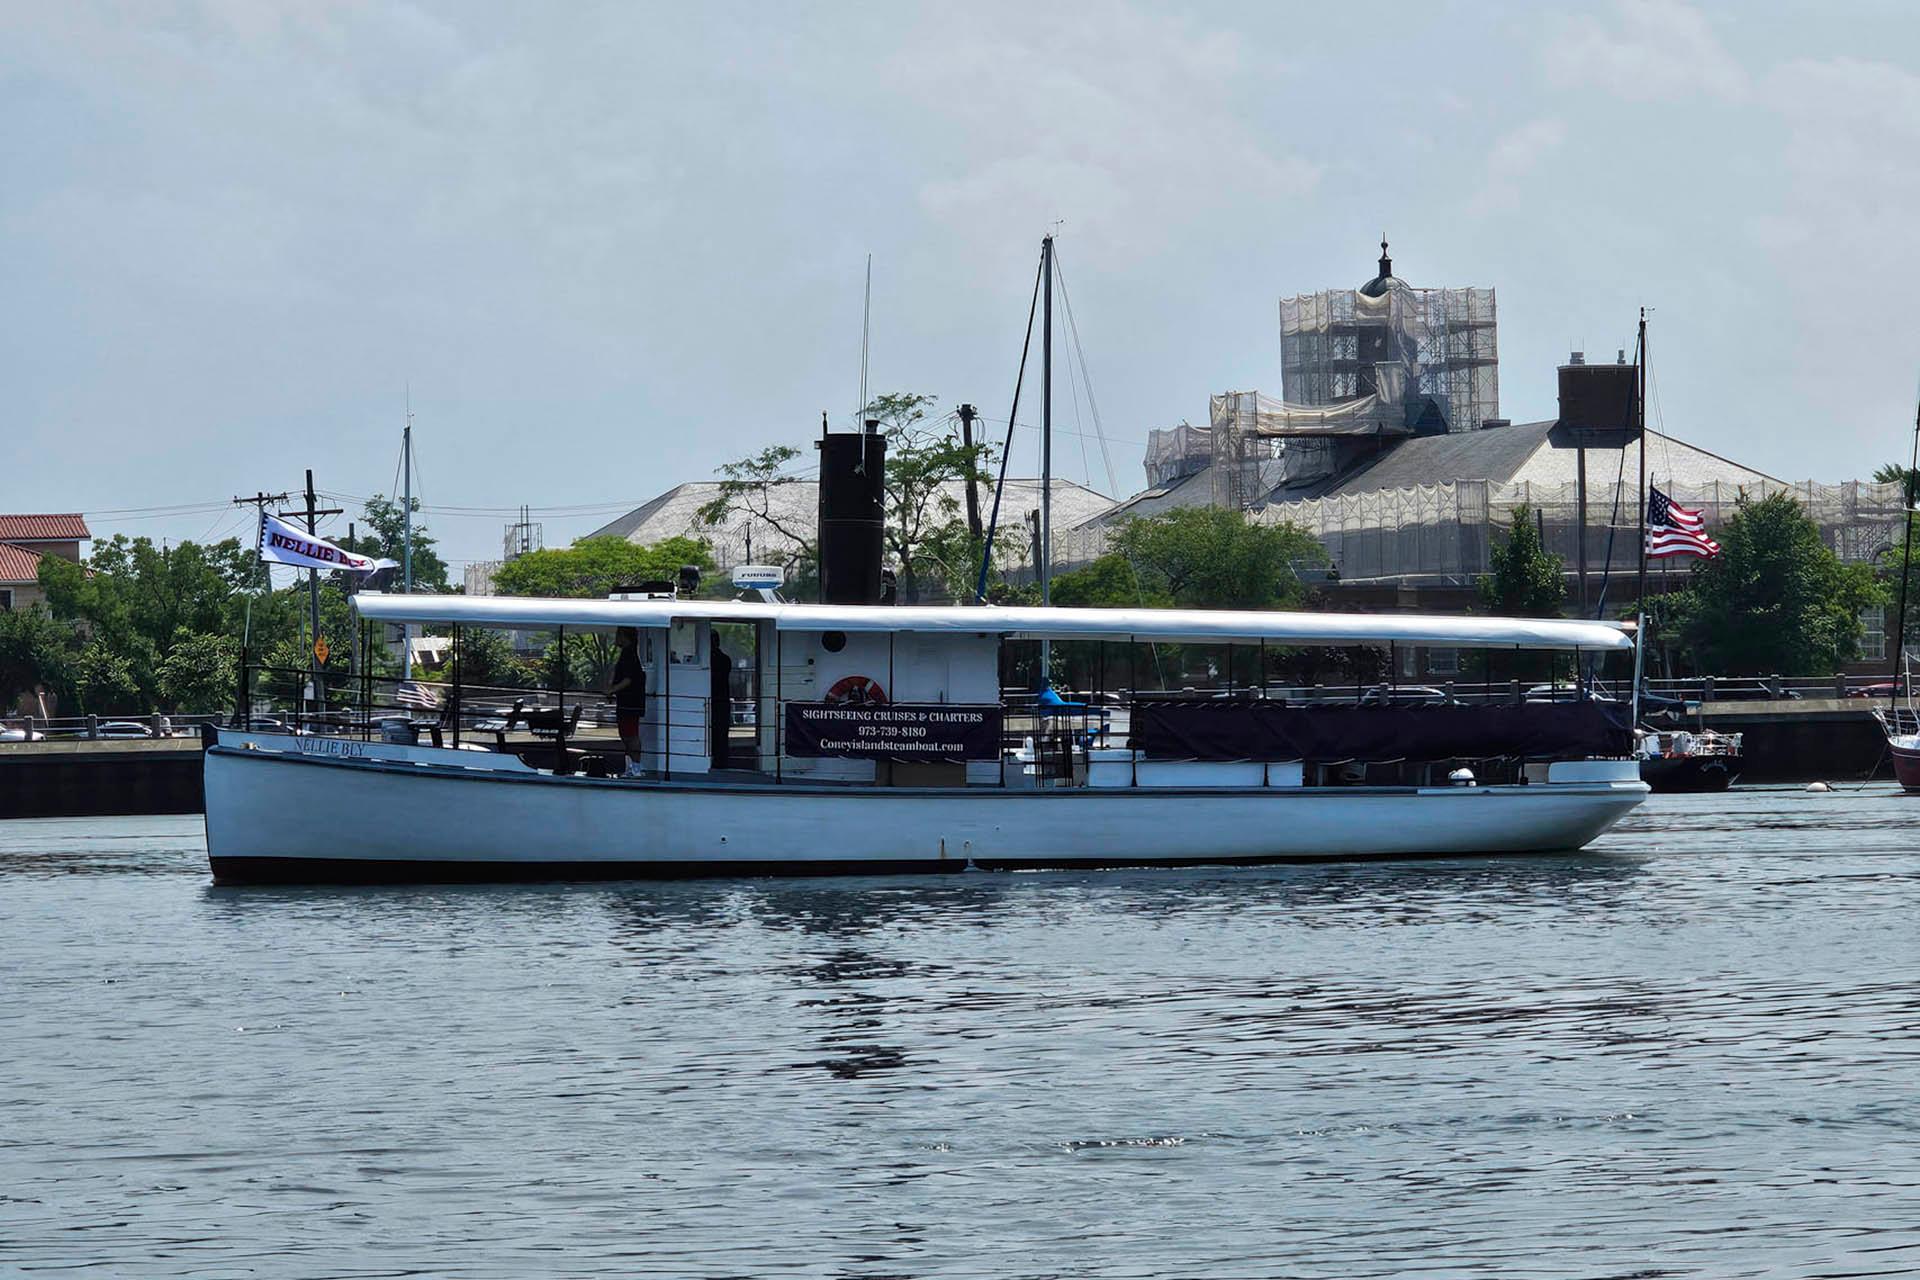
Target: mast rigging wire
1013	415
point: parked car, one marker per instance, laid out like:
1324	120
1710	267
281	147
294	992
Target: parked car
1884	689
123	729
1566	693
1404	695
13	733
1752	691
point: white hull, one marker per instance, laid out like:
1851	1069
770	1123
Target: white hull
280	810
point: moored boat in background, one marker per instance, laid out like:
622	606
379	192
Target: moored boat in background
1689	760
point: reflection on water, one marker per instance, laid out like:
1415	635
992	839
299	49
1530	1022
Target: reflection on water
1688	1052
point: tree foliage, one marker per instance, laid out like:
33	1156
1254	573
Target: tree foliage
1898	473
747	488
927	535
1776	599
1527	580
1197	558
386	521
487	659
594	568
198	673
36	653
1109	582
927	540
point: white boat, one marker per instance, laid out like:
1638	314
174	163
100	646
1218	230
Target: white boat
881	742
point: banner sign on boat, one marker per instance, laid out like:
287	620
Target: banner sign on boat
284	543
894	731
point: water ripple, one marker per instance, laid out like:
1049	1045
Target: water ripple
1689	1052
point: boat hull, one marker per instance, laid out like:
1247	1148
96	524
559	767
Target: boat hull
295	816
1906	765
1684	775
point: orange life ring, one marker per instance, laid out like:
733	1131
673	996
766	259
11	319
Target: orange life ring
858	691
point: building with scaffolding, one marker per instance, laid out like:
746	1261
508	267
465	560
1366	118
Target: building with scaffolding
1389	448
1360	369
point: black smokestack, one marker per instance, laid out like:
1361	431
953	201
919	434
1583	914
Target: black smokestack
853	487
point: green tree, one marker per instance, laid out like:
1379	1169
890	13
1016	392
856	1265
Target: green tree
594	568
1892	567
1895	473
1109	582
1526	581
1776	599
926	534
104	682
926	531
1209	558
36	652
386	518
487	660
198	673
750	488
132	598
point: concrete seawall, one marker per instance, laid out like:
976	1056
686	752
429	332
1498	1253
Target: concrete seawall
1805	740
78	778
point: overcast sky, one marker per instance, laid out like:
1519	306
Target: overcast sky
611	246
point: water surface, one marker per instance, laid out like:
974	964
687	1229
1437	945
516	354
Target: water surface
1693	1051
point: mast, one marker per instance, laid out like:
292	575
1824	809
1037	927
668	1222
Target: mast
1046	453
1640	444
406	537
1046	426
1906	562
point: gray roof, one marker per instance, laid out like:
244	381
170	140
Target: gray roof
796	504
1536	453
1493	453
1194	490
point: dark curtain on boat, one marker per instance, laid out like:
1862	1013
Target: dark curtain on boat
1218	729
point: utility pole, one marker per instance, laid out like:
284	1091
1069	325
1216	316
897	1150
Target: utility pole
259	502
967	414
312	514
351	585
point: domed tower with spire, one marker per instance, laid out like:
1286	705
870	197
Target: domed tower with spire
1361	370
1389	339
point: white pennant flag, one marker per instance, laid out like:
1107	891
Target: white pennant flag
283	543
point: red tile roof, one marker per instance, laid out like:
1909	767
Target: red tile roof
61	528
17	564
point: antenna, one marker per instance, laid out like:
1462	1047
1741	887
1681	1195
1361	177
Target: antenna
866	322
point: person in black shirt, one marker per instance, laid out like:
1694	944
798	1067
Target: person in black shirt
719	704
628	685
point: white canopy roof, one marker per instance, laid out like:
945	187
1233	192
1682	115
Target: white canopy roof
1279	627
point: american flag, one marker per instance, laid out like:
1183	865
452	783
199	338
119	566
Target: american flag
1672	530
412	693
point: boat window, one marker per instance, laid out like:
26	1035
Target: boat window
833	641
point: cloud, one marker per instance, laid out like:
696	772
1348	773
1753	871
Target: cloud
1128	125
1516	154
1839	232
1652	50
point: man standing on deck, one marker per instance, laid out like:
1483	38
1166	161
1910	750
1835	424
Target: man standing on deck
628	685
719	704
